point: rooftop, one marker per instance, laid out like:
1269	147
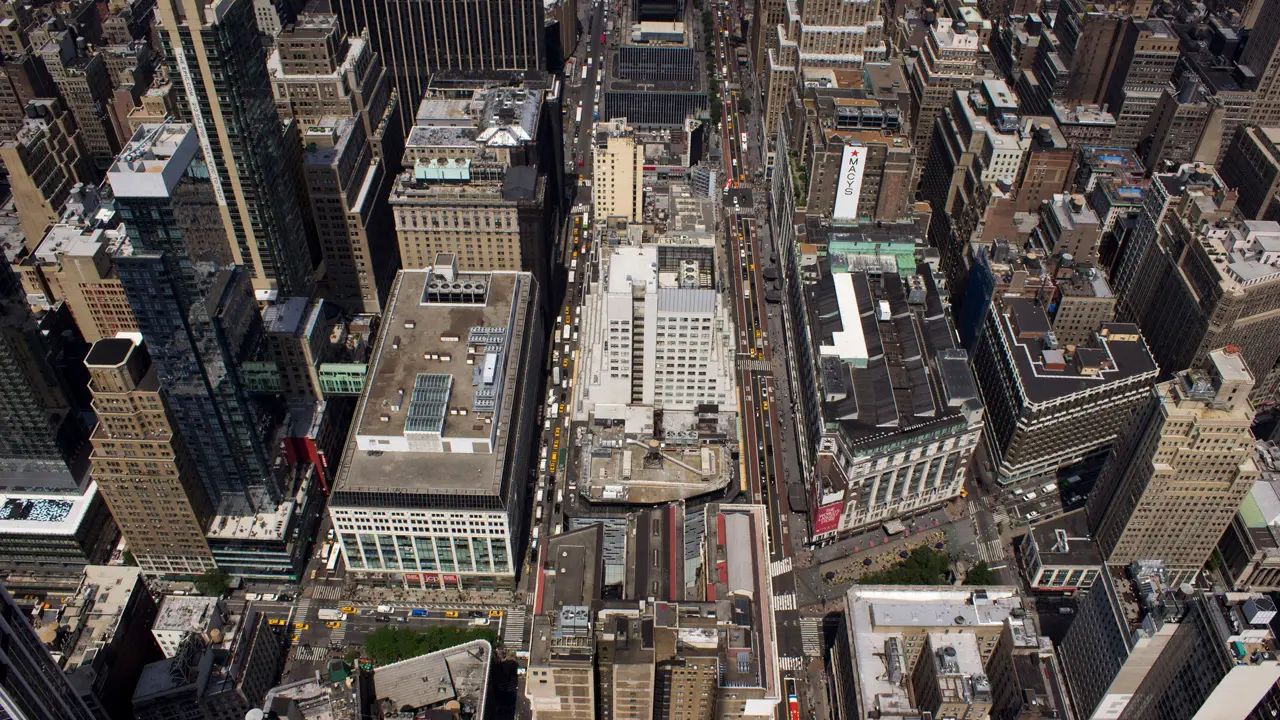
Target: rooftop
875	614
355	50
43	514
500	117
888	360
441	384
95	611
429	681
316	698
1048	373
154	160
1081	115
1065	540
184	613
263	520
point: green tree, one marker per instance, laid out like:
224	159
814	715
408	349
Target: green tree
213	583
129	559
744	105
980	574
717	109
390	644
922	567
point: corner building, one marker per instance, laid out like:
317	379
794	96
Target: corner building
431	490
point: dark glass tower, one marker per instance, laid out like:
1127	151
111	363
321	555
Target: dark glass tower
194	307
419	37
40	434
215	54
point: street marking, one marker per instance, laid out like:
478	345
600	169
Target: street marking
811	635
784	602
780	567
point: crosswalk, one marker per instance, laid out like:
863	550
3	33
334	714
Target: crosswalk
339	636
303	610
790	664
513	628
307	653
992	551
779	567
327	592
811	635
755	365
785	601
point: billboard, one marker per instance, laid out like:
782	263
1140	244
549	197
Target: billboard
827	518
849	183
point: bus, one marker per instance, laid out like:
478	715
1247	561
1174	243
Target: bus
793	702
577	118
584	71
333	558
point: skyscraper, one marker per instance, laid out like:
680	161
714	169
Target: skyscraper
416	38
1173	484
1262	56
31	685
142	468
42	434
194	309
215	52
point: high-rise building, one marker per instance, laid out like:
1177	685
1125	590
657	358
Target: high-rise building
949	679
42	447
1173	484
1025	675
447	418
1138	650
832	124
885	633
1047	168
214	50
76	260
31	685
1085	302
45	160
347	183
1227	299
617	170
1251	545
1176	126
873	460
416	39
655	333
1086	37
1262	57
196	312
1050	405
1252	168
317	71
945	64
474	188
142	468
223	674
818	33
101	637
1069	229
1144	66
84	83
979	147
562	655
23	78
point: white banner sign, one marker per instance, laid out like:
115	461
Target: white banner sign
849	183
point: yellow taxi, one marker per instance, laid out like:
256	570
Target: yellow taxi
757	334
451	613
300	626
557	431
565	361
766	405
293	638
555	445
350	611
333	624
561	408
495	613
278	622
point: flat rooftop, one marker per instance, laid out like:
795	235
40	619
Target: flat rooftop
441	385
458	673
96	610
44	513
1049	373
184	613
264	520
1065	540
887	354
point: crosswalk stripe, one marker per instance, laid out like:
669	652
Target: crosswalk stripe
513	629
780	567
791	664
811	635
784	602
